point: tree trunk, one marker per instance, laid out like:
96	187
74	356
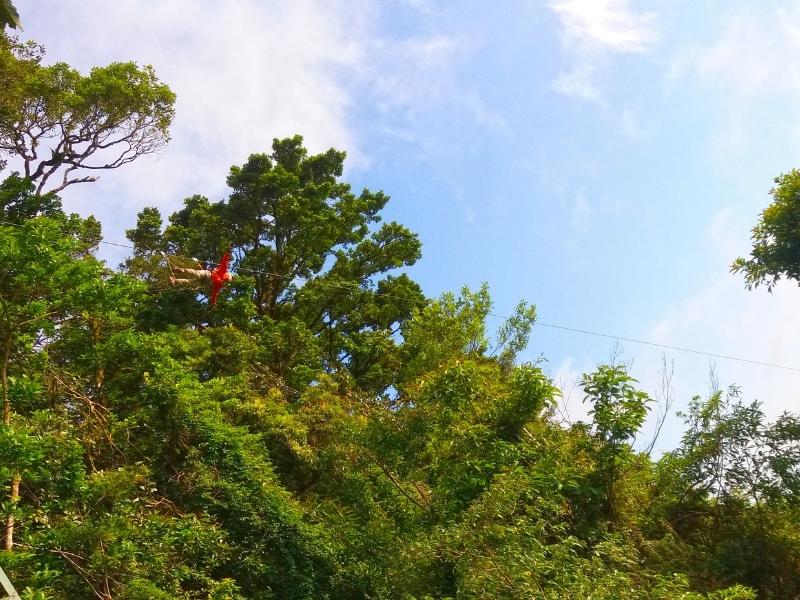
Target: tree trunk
4	380
8	539
8	542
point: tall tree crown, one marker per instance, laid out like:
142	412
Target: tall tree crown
60	124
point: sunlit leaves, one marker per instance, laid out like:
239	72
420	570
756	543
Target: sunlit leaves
776	237
618	408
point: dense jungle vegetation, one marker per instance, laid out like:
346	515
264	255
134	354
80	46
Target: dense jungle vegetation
327	430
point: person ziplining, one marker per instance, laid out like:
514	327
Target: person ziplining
197	278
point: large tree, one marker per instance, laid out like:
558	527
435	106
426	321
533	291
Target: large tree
58	124
308	251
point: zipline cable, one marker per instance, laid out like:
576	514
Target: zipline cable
496	315
663	346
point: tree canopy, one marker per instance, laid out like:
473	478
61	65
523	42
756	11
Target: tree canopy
776	237
60	124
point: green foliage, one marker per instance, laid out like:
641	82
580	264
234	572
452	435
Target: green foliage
237	454
308	253
9	17
19	202
58	122
327	432
451	327
776	243
724	500
618	408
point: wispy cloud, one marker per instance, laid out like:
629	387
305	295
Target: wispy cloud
756	53
427	7
410	75
418	76
754	59
724	318
586	213
581	214
579	83
593	29
485	116
570	407
607	24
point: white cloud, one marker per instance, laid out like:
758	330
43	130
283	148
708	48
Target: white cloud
571	406
720	236
427	7
412	75
586	213
607	24
581	214
244	71
755	54
579	83
719	317
632	127
484	115
592	31
753	62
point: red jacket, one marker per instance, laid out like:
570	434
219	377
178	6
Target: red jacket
218	277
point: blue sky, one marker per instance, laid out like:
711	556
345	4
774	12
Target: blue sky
603	159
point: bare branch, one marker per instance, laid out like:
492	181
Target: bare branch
95	130
665	397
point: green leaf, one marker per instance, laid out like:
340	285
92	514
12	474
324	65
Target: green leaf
9	15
